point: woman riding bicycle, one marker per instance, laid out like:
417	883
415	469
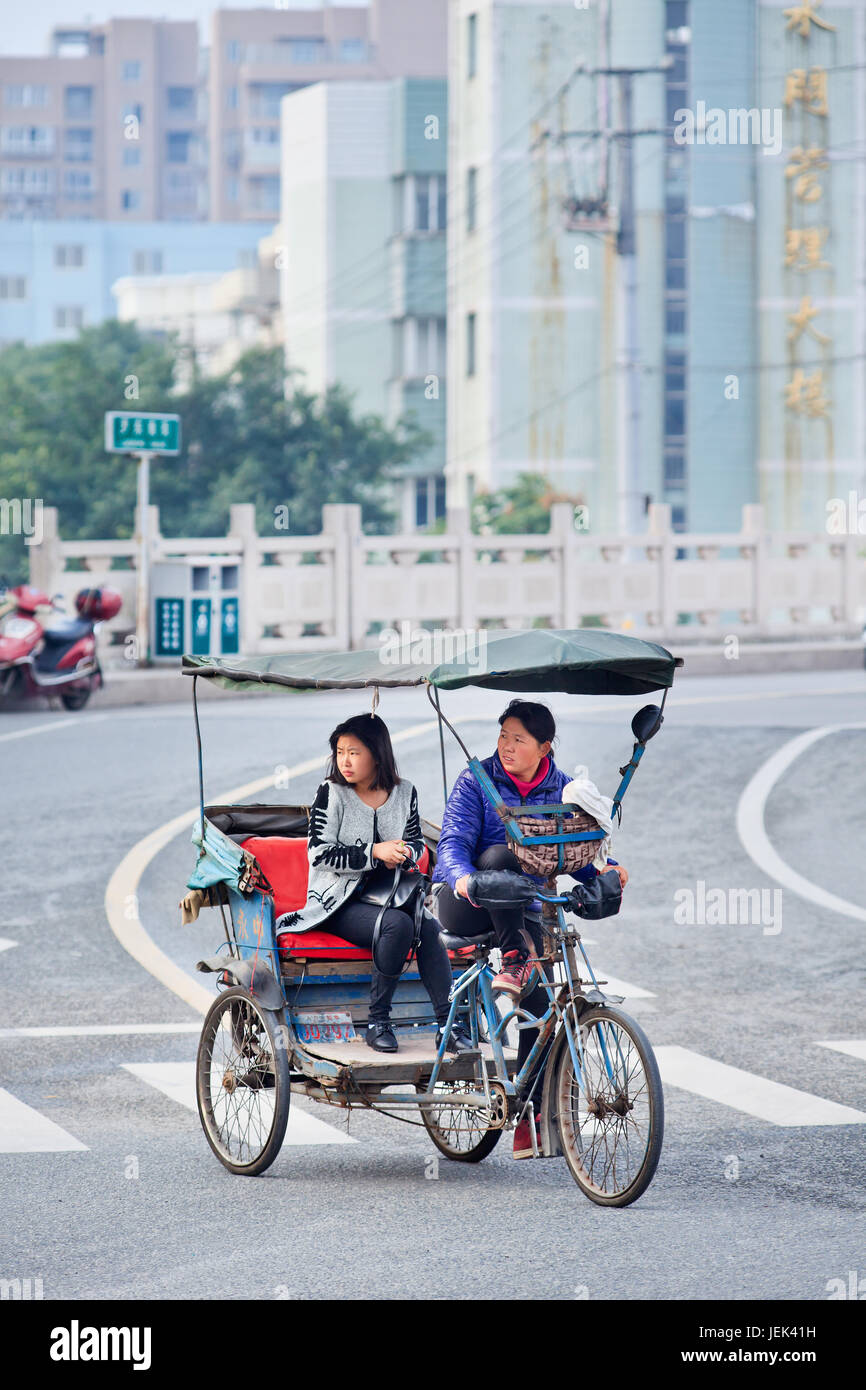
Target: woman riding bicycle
473	837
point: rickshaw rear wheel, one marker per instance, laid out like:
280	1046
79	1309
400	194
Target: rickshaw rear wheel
610	1130
242	1082
459	1132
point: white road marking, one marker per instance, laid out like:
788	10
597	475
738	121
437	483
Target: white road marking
5	943
24	1130
753	834
50	725
95	1030
611	986
852	1047
177	1081
753	1095
121	895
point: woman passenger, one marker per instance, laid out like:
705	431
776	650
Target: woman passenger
364	816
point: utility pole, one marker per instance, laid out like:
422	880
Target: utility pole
583	212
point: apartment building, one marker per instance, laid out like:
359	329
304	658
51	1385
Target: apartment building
364	212
108	125
259	56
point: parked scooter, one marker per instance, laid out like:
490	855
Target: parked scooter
41	659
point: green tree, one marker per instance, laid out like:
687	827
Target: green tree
523	508
246	436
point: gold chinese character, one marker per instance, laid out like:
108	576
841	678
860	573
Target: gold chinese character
799	17
802	322
809	88
804	395
803	162
803	247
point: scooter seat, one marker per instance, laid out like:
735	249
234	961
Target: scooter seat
70	631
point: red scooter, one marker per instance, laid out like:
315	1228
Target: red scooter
36	659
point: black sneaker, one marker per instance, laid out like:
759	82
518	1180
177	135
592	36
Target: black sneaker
459	1041
381	1037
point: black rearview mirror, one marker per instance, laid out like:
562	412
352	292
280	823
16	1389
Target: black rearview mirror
646	723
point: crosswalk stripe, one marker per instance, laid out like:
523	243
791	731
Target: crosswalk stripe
5	943
612	985
177	1081
754	1095
24	1130
97	1030
852	1047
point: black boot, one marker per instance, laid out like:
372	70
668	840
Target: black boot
380	1035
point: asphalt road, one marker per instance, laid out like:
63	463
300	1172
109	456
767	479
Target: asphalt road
748	1202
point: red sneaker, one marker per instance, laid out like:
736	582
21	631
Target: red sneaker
523	1138
516	975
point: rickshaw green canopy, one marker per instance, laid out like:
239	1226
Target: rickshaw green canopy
580	661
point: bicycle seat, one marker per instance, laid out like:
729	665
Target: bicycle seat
460	943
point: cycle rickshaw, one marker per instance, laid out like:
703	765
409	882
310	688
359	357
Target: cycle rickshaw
285	1017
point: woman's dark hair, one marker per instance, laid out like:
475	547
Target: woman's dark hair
373	733
535	718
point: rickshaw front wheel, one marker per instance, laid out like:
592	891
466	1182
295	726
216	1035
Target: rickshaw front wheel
242	1082
611	1120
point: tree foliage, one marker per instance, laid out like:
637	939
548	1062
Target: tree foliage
248	436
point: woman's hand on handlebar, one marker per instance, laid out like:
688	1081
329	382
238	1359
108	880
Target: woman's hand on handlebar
393	853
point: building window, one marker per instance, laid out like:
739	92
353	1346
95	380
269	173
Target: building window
78	103
78	145
177	144
231	98
27	180
130	199
678	518
78	184
27	139
352	51
265	98
439	496
181	99
132	108
13	287
28	94
232	190
233	51
68	316
470	344
423	348
471	198
472	45
306	50
131	156
69	257
422	502
265	194
147	262
425	207
130	70
675	469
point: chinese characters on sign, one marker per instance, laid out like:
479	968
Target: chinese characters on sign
806	89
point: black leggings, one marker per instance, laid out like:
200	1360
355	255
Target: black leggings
460	918
354	922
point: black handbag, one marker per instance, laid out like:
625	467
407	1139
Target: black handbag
384	888
601	897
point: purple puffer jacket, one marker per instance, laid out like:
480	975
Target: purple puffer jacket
470	825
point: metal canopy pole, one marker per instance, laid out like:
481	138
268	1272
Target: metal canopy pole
200	771
441	745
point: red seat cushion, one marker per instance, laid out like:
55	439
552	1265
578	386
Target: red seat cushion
285	865
284	862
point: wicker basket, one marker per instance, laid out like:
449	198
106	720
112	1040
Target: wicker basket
544	859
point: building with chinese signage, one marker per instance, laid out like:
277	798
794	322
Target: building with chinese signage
656	245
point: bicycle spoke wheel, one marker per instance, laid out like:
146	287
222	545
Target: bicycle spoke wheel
242	1082
457	1131
610	1127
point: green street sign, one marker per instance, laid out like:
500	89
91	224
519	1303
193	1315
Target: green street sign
147	433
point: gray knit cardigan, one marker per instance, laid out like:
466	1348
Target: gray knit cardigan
343	831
